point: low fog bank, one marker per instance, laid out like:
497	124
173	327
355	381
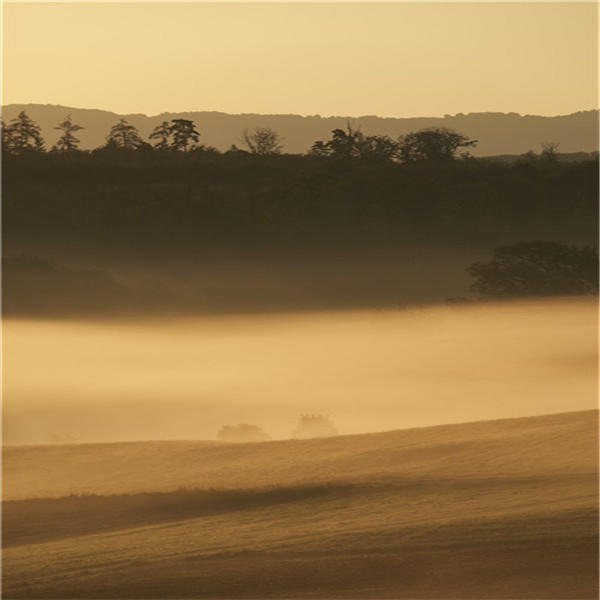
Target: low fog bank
368	370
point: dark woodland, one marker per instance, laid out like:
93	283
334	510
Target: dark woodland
135	205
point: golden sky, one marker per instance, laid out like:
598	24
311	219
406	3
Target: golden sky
388	59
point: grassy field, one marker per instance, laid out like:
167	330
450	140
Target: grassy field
493	509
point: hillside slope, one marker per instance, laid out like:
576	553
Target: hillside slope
534	446
498	133
498	509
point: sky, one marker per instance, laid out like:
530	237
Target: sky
346	59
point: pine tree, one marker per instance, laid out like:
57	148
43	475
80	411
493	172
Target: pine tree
185	135
22	135
125	136
161	133
67	142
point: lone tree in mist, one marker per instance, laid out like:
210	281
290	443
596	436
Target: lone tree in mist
22	135
537	269
67	142
184	135
433	144
314	426
263	141
125	136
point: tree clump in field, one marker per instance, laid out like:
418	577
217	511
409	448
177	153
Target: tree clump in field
241	433
314	426
537	269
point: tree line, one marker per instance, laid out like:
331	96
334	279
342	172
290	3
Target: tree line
23	136
353	198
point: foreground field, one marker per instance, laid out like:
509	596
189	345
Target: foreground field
497	509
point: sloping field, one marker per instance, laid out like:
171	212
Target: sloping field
497	509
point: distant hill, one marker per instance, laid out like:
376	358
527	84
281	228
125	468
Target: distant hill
498	133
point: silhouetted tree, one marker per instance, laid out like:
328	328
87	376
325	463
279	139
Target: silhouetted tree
432	144
353	143
22	135
67	142
161	134
537	269
549	153
380	148
263	141
125	136
184	134
343	143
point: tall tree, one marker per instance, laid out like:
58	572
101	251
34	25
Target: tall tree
67	142
263	141
125	136
22	135
184	134
161	133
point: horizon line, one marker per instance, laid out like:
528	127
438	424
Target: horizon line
288	114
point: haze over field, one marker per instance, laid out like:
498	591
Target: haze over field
370	370
250	351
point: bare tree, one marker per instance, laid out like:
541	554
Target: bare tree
549	151
263	140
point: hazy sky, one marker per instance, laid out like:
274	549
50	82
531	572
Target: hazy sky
392	59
